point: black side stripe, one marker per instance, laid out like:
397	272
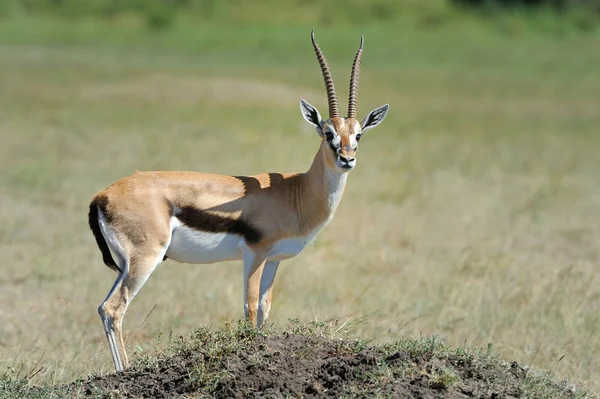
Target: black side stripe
205	221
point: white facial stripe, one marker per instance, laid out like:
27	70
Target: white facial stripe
353	141
336	140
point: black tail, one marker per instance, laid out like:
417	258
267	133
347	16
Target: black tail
95	227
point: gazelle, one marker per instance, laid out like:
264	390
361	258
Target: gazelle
193	217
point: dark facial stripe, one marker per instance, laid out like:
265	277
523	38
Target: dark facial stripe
333	147
205	221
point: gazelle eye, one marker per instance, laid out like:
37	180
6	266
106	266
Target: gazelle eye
358	137
328	136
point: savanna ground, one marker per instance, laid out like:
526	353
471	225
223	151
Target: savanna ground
472	213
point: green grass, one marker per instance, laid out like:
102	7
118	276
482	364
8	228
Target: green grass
472	213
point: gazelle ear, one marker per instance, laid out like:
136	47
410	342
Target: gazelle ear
312	116
374	118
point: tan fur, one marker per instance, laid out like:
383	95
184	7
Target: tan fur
138	203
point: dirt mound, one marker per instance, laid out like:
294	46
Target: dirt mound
246	364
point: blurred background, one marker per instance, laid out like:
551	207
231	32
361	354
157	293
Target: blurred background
472	214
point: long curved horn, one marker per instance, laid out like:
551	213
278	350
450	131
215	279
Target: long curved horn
352	97
334	110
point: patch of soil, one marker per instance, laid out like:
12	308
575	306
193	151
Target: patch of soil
169	379
291	365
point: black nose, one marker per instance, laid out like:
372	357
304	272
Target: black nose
346	160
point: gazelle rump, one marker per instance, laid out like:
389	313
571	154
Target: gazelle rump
194	217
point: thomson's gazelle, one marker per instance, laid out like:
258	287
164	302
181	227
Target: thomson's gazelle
196	217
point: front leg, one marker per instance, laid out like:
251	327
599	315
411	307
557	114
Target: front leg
266	291
254	263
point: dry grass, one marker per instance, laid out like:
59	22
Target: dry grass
473	212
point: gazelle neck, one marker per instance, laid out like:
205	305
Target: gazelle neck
325	181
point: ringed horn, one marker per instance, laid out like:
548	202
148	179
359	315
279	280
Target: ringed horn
334	110
352	97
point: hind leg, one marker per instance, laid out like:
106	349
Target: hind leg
108	324
115	305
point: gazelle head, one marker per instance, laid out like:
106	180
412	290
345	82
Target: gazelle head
341	135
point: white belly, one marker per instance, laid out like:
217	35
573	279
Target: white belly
193	246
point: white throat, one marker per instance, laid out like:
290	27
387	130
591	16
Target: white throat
336	184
